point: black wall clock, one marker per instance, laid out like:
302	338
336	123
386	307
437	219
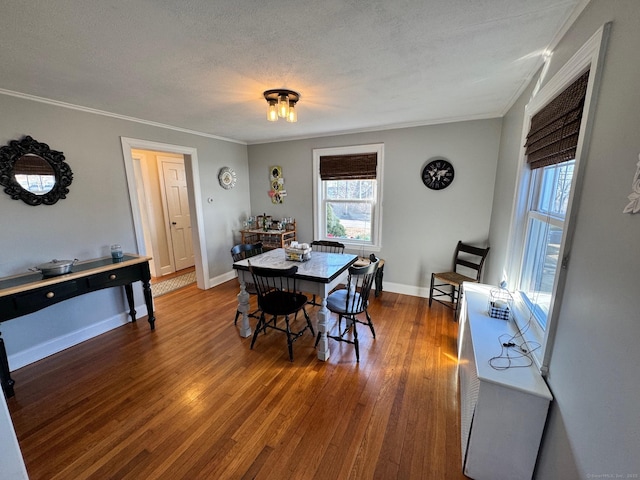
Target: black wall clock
438	174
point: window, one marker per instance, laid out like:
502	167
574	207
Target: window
556	125
347	195
551	148
544	227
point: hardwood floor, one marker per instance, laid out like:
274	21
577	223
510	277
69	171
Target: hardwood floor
192	401
177	273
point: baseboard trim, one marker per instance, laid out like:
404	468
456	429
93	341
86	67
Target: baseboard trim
225	277
55	345
403	289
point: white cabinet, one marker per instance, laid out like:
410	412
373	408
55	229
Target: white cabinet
503	412
10	455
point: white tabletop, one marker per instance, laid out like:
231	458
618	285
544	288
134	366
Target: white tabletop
321	267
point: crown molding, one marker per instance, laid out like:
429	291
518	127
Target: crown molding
35	98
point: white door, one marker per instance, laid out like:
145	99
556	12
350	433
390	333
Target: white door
176	201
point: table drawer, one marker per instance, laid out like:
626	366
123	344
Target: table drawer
114	278
42	297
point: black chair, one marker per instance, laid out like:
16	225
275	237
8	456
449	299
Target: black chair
466	257
352	301
240	252
277	297
329	247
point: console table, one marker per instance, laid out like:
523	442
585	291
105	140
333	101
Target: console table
30	292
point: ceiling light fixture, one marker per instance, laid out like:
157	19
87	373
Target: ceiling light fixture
281	104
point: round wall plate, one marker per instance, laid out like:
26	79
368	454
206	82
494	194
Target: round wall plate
227	178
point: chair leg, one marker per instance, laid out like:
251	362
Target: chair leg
257	330
235	322
373	332
355	341
308	322
289	339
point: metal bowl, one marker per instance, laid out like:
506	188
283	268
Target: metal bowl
55	267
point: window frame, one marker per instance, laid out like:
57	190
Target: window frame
589	57
319	215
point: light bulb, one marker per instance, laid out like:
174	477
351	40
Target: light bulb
283	106
272	111
293	115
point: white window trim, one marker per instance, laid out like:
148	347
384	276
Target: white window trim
589	56
318	219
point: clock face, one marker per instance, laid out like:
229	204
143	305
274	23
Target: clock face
438	174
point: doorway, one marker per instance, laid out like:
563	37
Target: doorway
164	193
163	198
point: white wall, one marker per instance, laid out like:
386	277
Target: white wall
420	226
594	425
97	213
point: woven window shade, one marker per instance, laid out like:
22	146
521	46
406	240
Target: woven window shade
33	165
553	136
360	166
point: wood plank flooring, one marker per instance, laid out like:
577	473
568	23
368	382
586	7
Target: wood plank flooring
192	401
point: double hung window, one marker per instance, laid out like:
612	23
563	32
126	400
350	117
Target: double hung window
557	122
551	148
551	188
347	195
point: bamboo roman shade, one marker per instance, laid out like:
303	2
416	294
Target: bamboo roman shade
361	166
33	165
553	136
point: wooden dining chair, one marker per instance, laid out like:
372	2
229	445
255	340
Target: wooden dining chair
279	297
327	246
447	284
351	301
240	252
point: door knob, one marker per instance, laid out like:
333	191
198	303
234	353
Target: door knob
173	223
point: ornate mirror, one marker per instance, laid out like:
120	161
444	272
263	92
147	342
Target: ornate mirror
30	171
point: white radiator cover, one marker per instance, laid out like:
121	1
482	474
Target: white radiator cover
502	412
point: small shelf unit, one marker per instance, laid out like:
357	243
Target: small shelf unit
270	238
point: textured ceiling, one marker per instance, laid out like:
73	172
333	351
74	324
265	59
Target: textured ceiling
202	65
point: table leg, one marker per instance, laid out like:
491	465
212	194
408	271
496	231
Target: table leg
148	299
5	375
132	310
243	307
379	275
323	343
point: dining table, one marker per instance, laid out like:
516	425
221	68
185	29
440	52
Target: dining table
318	275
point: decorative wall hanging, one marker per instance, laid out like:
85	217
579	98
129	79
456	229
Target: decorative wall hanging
30	171
438	174
277	192
634	196
227	178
